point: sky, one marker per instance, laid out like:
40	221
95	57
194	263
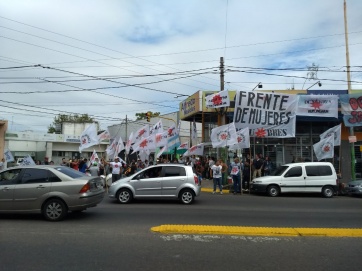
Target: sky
112	59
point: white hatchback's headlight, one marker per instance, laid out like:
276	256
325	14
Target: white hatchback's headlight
258	182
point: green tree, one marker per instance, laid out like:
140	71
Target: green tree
142	116
76	118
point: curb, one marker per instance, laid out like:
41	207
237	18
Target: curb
266	231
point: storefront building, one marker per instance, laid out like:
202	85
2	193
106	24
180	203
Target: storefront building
280	150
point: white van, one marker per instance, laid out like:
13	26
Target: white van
309	177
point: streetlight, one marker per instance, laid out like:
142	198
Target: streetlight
259	85
319	84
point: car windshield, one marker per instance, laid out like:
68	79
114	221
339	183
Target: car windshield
70	172
279	171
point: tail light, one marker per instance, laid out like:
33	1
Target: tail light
196	179
85	188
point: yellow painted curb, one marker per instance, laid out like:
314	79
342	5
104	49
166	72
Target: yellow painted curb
268	231
209	190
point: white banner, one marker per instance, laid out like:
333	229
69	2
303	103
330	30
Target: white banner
103	136
161	139
243	139
324	148
161	151
146	144
119	147
89	137
223	136
336	132
184	146
157	128
141	133
111	149
220	99
266	114
8	156
28	161
129	143
94	156
318	105
195	150
351	108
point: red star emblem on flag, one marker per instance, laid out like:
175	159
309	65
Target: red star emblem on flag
316	105
260	132
143	144
217	100
224	136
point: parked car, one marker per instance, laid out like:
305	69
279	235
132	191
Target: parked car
167	181
354	187
308	177
50	190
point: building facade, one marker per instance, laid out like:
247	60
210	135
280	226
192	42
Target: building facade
280	150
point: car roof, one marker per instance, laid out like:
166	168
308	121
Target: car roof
35	166
308	164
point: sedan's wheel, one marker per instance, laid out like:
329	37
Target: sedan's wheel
187	196
327	191
54	210
273	191
124	196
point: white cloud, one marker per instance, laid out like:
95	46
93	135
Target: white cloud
154	37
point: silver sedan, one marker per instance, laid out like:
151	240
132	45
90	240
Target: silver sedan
50	190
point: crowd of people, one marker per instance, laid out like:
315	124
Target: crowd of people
241	171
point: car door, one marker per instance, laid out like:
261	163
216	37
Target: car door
293	180
31	189
173	178
8	181
147	183
319	176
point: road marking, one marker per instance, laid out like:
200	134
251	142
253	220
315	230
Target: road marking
265	231
211	238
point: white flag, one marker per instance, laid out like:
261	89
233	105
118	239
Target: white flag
141	133
119	147
172	131
161	151
94	156
223	136
146	144
161	139
28	161
336	132
195	150
129	143
89	137
220	99
184	146
111	149
157	128
324	148
318	105
194	134
103	136
8	156
243	140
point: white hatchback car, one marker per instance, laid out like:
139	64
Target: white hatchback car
308	177
168	181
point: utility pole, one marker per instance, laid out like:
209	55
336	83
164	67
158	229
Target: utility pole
351	130
222	111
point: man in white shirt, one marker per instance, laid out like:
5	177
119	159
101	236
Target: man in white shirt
216	173
116	169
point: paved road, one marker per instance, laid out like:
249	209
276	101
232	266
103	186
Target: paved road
118	237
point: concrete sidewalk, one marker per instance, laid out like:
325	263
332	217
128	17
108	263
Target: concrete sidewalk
208	186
